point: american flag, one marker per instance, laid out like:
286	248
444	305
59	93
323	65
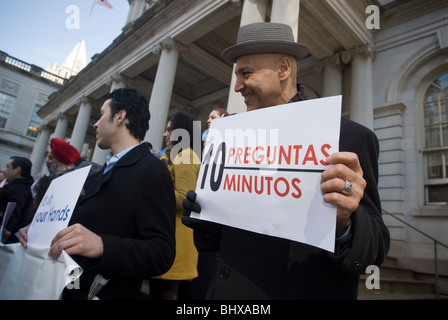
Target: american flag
104	3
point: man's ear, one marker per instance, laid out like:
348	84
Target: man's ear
284	68
121	116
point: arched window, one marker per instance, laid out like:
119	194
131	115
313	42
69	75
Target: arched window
436	142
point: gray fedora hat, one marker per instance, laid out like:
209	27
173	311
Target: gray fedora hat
265	37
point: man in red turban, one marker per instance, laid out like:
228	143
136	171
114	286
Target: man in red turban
64	152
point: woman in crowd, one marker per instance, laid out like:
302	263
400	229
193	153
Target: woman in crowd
214	114
183	164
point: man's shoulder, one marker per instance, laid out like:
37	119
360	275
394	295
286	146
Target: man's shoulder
354	130
148	162
140	154
18	184
357	138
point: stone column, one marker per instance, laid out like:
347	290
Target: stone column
159	103
40	150
81	124
361	98
332	75
286	12
117	81
61	126
253	11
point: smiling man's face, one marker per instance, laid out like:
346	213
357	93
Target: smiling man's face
258	80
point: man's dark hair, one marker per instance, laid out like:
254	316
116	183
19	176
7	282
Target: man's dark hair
24	164
136	107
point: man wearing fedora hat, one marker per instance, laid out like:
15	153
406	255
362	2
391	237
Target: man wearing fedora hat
255	266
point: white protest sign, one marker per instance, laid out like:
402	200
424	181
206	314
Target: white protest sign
261	171
30	274
56	207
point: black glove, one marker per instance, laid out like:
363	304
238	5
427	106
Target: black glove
190	204
206	234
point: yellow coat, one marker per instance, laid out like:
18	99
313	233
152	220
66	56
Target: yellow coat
184	170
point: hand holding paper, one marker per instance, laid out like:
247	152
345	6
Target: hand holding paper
56	208
189	204
346	167
22	235
76	239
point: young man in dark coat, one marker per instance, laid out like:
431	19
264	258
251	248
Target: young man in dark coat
256	266
123	226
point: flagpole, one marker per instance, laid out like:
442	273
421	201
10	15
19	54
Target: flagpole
82	38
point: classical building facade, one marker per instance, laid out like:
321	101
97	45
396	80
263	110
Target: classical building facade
388	59
24	89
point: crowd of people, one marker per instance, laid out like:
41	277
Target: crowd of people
132	221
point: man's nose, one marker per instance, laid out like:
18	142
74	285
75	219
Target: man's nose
239	85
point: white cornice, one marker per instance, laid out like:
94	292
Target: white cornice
411	34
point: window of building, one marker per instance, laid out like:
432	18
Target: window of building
34	123
6	105
436	141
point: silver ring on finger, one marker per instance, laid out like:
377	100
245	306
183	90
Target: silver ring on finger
348	186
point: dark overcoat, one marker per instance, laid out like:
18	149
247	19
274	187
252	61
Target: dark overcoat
132	208
256	266
18	191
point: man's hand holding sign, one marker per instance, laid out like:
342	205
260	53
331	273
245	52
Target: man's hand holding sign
76	239
335	181
49	226
56	208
